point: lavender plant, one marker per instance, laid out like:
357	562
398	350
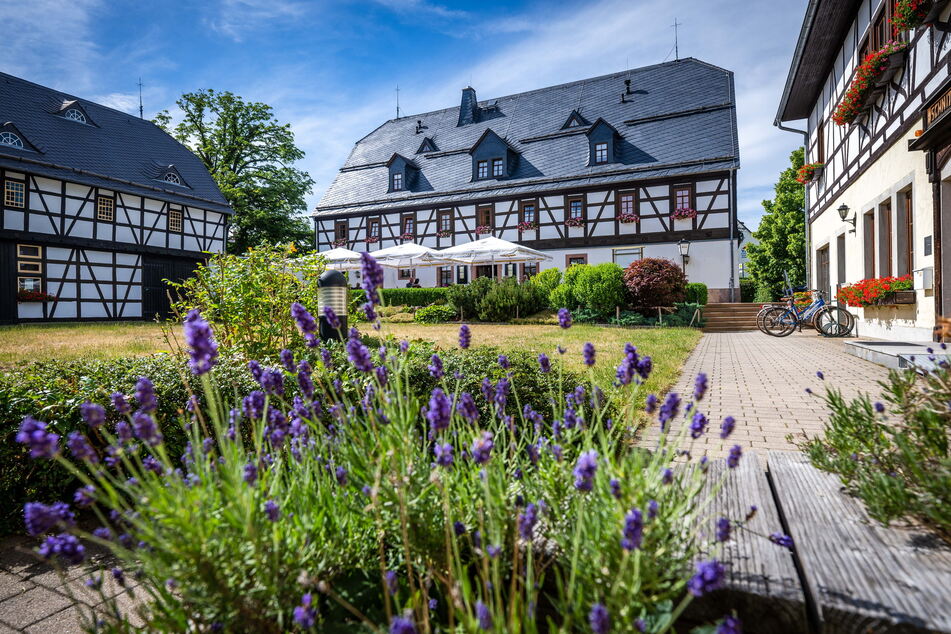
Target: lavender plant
362	503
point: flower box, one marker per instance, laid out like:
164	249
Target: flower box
878	291
684	213
483	230
934	11
895	62
407	237
626	219
371	239
527	226
34	296
574	222
897	298
863	90
444	234
809	172
342	242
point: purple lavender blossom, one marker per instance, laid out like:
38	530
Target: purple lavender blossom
250	473
733	459
80	448
667	477
588	354
103	533
145	395
371	278
502	393
484	616
651	404
481	449
633	533
42	443
544	363
465	337
120	403
84	496
305	382
527	520
63	546
730	625
504	362
652	508
615	488
343	478
439	411
879	407
305	614
644	367
203	349
118	575
272	382
493	551
727	426
698	425
382	375
700	387
564	318
332	320
272	511
821	376
599	619
369	312
253	405
585	469
435	367
40	518
358	353
287	360
488	390
257	372
145	429
723	529
782	540
669	410
93	413
402	625
305	323
443	454
709	577
123	432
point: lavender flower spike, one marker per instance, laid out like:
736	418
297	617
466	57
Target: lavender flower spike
588	352
564	318
332	320
43	444
599	619
372	277
93	413
305	322
203	348
465	336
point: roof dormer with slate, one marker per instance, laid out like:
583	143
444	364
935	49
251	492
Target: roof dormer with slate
680	121
72	110
402	174
11	137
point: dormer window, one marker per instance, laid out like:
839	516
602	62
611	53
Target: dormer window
603	142
10	139
402	174
492	157
74	114
482	169
396	182
600	152
498	167
173	178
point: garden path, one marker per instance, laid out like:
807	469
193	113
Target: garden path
761	381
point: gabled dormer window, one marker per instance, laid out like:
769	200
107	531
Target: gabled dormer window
74	114
396	182
72	110
170	175
575	120
173	178
428	145
492	157
10	139
603	141
401	174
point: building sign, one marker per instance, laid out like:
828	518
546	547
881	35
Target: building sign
938	108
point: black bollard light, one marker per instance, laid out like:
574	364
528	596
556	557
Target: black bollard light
332	292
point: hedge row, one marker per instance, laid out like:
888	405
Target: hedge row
406	296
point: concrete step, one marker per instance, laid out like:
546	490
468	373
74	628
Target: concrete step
729	328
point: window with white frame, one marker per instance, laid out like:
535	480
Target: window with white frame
14	194
600	152
498	167
10	139
75	114
482	169
172	177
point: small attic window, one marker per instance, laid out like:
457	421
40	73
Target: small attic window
172	177
74	114
10	139
396	182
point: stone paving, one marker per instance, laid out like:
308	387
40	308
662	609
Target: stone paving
761	381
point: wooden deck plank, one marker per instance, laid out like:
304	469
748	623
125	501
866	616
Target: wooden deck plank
762	586
862	576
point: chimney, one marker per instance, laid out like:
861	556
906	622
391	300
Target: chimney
469	108
627	86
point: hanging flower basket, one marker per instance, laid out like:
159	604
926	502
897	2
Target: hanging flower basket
878	291
808	172
445	233
628	218
482	230
407	237
871	69
340	242
573	222
909	14
372	239
527	226
684	213
34	296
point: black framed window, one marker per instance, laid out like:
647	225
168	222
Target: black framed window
600	152
484	216
626	203
462	274
530	269
482	169
340	230
445	275
498	167
397	181
409	225
373	228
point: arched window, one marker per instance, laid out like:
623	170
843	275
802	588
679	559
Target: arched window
8	138
172	177
75	115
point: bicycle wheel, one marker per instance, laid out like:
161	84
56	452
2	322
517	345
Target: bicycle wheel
833	321
760	315
780	322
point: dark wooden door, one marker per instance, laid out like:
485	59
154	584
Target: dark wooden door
155	290
8	282
822	271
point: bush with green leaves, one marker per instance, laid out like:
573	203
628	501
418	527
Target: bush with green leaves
747	290
547	280
599	288
247	294
654	282
407	296
334	510
434	314
465	298
629	318
508	298
696	293
894	454
563	295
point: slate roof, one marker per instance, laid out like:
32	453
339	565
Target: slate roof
679	119
114	150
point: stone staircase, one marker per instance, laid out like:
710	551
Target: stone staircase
730	317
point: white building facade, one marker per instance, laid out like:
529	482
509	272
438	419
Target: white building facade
875	209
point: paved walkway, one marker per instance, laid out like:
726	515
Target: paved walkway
761	381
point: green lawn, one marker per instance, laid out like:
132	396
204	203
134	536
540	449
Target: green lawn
41	342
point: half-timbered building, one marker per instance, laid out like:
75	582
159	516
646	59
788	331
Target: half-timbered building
880	205
590	171
98	208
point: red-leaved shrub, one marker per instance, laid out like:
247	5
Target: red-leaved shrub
655	282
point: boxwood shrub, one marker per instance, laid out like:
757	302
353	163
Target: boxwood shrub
434	314
406	296
696	293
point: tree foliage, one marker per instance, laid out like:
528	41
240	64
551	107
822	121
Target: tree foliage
655	282
781	233
249	154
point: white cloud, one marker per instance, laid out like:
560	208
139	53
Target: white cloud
422	7
236	18
126	102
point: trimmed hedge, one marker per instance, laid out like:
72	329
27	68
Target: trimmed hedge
407	296
697	293
434	314
747	290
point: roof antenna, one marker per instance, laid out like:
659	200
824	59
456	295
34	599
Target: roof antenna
140	98
397	101
676	24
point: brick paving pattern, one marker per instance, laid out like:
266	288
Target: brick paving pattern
761	381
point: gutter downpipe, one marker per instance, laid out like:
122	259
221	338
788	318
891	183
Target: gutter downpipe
805	145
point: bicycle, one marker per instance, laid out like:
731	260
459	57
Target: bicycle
828	320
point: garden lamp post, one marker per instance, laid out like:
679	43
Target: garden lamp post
843	214
684	247
332	292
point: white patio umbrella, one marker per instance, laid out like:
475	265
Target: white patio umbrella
408	255
492	250
342	259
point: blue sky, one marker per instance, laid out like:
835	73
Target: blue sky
330	68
